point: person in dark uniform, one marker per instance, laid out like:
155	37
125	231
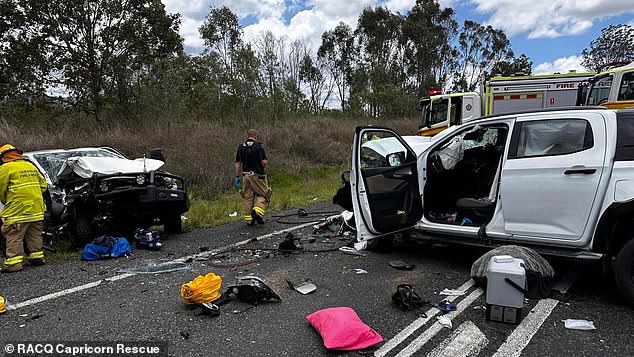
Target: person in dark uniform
249	169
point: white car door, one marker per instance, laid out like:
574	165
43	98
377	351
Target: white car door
551	177
384	183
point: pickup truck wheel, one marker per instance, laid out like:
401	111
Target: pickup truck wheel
83	230
173	224
624	271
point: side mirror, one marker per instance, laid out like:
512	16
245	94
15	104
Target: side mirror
157	154
395	159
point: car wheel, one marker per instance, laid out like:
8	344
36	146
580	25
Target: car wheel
624	271
83	229
381	244
173	224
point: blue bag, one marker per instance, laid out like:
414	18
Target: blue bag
106	247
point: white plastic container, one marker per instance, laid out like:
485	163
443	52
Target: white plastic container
505	298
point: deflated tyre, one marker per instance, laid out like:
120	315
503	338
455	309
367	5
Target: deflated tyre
624	270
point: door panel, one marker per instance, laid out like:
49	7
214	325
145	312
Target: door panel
550	180
384	183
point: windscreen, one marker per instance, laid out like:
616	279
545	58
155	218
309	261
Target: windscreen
52	162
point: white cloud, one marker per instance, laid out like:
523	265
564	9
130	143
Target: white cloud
561	65
549	18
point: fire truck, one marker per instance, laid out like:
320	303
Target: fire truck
613	88
501	95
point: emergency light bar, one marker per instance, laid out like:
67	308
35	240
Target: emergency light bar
434	92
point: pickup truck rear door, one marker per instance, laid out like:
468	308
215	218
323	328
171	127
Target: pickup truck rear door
551	177
384	183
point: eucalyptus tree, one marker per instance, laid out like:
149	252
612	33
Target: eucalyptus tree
615	44
93	49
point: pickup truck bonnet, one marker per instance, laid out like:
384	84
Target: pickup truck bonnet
86	166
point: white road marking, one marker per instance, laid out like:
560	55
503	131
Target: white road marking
421	340
91	285
524	332
467	340
407	331
522	335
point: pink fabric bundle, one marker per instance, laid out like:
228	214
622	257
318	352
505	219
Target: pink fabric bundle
342	329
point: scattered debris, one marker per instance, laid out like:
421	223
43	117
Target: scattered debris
290	243
444	321
398	264
583	325
149	240
353	251
360	271
154	268
446	306
250	289
234	214
208	309
202	289
306	287
450	292
361	245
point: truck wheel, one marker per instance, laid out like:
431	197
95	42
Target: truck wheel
624	271
173	224
83	230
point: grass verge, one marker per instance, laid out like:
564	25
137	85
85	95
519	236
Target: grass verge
290	190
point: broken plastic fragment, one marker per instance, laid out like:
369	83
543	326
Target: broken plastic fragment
306	287
360	271
234	214
444	321
398	264
361	245
154	268
352	251
583	325
450	292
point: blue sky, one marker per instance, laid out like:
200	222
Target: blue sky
551	32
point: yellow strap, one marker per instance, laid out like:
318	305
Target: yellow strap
248	218
259	210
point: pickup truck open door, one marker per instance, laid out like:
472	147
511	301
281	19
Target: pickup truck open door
384	182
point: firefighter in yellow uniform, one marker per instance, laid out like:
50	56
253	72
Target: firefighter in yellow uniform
21	188
249	169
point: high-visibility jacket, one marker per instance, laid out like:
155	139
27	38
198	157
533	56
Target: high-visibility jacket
21	188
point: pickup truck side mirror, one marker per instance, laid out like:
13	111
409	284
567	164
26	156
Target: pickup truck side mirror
157	154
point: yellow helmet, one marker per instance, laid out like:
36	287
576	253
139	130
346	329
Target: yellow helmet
8	148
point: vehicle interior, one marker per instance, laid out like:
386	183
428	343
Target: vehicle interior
463	176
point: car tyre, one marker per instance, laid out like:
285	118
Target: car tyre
83	229
624	271
173	224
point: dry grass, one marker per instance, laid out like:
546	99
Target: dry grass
203	152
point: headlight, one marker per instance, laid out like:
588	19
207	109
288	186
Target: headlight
104	186
140	180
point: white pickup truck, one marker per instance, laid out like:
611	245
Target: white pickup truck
559	181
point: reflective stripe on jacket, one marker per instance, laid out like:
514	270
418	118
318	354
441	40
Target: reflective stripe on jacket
21	188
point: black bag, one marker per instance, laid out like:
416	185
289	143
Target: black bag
405	297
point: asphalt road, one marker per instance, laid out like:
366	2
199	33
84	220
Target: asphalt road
74	300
